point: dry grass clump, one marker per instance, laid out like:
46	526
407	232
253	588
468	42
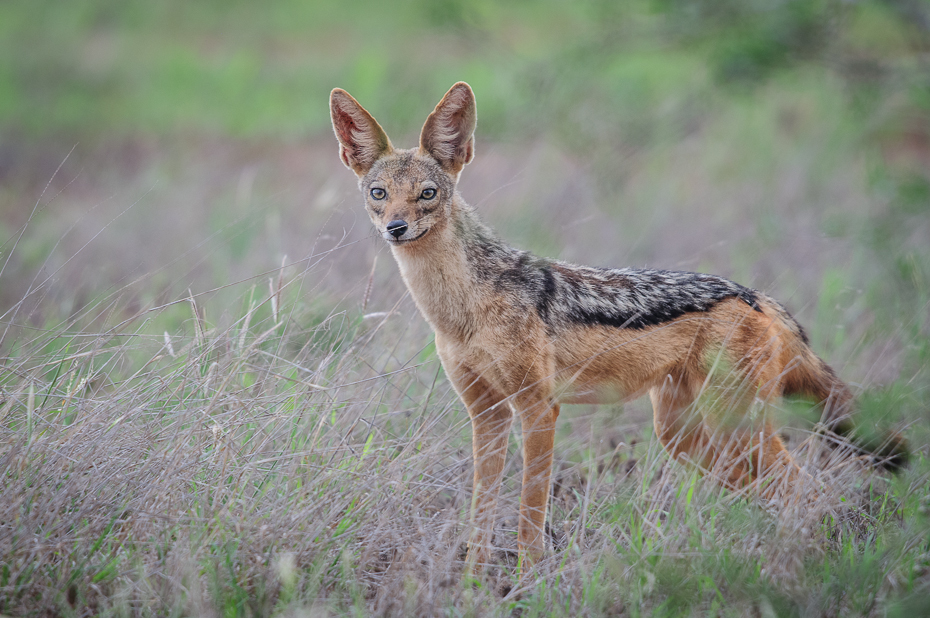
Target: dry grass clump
135	462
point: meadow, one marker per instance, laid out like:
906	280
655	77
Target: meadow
217	398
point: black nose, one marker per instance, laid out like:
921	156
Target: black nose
397	227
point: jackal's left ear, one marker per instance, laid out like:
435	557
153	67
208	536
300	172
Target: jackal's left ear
449	133
362	141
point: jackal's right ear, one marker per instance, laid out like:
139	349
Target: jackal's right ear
362	141
449	133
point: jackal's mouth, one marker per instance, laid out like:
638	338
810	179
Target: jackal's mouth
404	241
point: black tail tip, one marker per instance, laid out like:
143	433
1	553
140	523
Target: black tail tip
892	454
889	452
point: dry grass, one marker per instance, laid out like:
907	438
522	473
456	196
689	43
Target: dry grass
269	467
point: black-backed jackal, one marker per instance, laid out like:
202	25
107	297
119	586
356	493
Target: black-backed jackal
520	334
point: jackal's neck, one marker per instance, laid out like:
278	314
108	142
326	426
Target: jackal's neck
440	271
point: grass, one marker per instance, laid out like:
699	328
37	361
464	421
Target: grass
217	399
268	467
273	467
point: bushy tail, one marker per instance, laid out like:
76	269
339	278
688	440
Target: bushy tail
808	376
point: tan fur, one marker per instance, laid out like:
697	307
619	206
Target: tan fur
706	371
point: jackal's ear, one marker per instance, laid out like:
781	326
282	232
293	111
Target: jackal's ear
362	141
449	133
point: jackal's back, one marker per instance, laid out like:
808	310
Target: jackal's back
566	295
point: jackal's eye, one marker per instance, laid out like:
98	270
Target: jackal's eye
428	194
378	193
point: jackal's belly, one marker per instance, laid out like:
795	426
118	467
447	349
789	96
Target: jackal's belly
599	387
571	393
603	364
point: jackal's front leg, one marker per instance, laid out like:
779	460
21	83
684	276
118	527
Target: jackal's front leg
491	418
537	416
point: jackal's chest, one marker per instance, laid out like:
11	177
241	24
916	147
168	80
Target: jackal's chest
445	309
444	291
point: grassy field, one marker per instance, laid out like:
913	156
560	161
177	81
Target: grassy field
217	398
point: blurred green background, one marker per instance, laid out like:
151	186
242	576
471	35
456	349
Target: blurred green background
785	144
247	69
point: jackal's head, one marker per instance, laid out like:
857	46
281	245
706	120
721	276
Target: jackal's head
408	193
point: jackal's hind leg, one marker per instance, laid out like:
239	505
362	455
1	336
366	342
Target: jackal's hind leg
726	435
679	427
753	455
745	446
